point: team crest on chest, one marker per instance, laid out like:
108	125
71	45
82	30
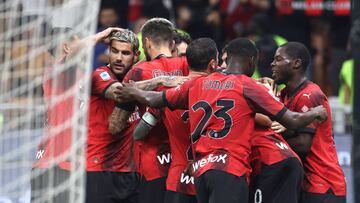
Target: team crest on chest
305	108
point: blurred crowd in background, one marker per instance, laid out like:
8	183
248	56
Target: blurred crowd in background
268	23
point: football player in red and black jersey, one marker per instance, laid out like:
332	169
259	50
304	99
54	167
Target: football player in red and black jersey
324	179
180	181
270	157
112	173
154	150
111	170
222	107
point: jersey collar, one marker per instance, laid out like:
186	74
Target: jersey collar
298	88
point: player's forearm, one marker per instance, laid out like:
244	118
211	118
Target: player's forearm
149	98
110	93
293	120
167	81
149	84
118	120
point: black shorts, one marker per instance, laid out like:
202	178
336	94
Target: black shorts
152	191
328	197
280	182
220	186
109	187
44	180
178	197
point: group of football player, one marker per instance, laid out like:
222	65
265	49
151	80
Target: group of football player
181	127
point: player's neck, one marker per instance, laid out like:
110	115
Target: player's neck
197	73
160	51
296	82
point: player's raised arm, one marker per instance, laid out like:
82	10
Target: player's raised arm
115	93
117	120
295	120
175	98
133	93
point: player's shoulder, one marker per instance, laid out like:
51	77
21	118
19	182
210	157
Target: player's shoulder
104	72
311	92
171	62
310	88
101	69
142	65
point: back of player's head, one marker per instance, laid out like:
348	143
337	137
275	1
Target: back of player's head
58	36
242	49
158	30
200	52
126	36
297	50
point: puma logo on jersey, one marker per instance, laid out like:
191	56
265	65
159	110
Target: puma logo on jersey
307	95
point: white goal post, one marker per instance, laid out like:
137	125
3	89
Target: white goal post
44	98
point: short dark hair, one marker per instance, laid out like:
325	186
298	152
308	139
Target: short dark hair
241	48
159	30
297	50
181	36
200	52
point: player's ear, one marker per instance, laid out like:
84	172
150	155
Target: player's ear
147	43
212	66
65	48
136	56
297	63
172	45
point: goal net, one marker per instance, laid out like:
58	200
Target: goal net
44	93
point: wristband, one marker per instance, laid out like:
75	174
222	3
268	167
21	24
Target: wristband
127	106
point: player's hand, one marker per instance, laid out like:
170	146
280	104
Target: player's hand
321	113
269	83
173	81
220	69
125	92
277	127
103	36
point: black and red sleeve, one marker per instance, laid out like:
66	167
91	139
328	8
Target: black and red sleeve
306	101
135	74
102	79
177	97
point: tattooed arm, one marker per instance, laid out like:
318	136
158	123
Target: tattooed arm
118	120
119	116
168	81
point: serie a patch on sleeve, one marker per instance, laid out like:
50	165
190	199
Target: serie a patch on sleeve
105	76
